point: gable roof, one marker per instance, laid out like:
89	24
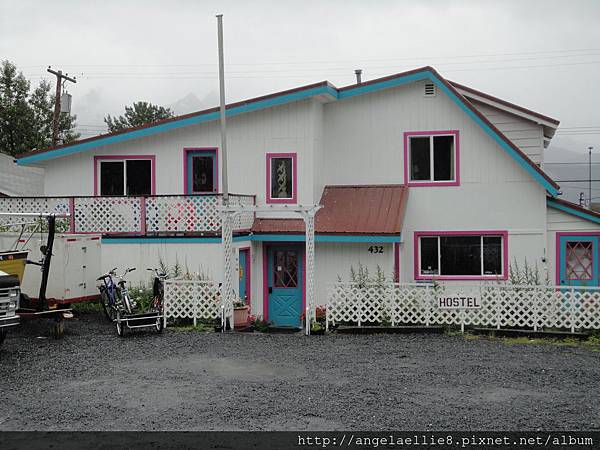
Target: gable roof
469	90
322	89
356	210
548	124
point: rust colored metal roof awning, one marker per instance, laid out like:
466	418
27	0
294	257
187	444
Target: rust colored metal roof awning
368	209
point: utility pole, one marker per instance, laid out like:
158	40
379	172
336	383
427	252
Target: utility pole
224	184
59	82
590	178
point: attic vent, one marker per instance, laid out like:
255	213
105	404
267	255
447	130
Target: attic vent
429	90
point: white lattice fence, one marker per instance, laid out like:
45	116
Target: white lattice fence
34	205
193	213
180	213
242	221
192	299
500	306
108	215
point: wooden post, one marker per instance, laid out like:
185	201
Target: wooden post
71	214
572	311
143	216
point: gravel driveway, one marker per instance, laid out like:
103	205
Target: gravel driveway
92	379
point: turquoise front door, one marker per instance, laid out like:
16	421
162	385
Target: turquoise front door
285	285
578	260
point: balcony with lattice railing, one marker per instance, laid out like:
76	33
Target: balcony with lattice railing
155	215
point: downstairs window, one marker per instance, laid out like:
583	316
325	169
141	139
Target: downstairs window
461	255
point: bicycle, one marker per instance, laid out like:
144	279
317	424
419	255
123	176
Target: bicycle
115	296
109	295
158	295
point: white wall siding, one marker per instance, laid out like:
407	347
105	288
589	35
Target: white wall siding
333	260
364	145
286	128
195	257
525	134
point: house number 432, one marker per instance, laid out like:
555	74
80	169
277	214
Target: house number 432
376	249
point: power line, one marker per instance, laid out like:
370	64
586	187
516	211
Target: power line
362	60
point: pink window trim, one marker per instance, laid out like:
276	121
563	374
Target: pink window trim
248	273
152	159
456	135
557	249
294	198
188	150
417	255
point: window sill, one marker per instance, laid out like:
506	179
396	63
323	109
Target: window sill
432	183
461	277
280	201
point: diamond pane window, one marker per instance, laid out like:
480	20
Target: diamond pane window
285	269
580	260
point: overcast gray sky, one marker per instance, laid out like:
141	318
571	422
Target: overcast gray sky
544	55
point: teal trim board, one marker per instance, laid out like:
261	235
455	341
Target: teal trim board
573	211
170	240
325	238
253	238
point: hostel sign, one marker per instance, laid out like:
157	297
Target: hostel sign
458	301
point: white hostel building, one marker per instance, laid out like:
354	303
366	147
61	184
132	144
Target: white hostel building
421	176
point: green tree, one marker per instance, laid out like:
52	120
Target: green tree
140	113
26	117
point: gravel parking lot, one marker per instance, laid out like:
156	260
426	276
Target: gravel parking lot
94	380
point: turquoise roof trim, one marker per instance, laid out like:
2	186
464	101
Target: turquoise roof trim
572	211
175	124
277	100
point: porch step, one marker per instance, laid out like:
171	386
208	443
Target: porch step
274	329
388	330
530	333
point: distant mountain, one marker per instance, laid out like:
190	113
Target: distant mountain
191	103
187	104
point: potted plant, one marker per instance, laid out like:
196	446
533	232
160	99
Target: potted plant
240	314
317	325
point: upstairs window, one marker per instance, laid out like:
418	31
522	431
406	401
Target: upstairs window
201	171
124	176
431	158
461	256
281	178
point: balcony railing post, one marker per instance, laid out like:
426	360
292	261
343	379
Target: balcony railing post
143	215
71	214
